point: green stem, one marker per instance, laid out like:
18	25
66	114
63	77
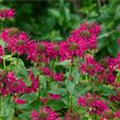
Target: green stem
10	62
70	100
0	107
4	64
107	34
71	67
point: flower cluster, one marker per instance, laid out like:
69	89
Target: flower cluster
44	58
104	68
11	85
96	106
1	52
80	41
16	41
71	115
93	103
7	13
44	114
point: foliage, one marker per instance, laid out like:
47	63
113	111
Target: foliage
73	76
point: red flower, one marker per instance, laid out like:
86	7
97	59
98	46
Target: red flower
82	101
19	101
19	43
35	83
93	103
44	114
97	107
55	96
46	71
58	77
117	114
7	13
1	52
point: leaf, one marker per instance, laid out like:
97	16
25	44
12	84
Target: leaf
19	69
76	75
9	112
36	104
117	12
70	86
35	71
56	104
24	107
106	34
19	72
2	43
64	63
60	91
84	90
54	12
28	97
6	57
28	82
18	62
24	116
118	76
106	90
66	14
43	81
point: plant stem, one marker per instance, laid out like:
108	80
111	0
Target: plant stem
106	34
0	107
4	64
71	67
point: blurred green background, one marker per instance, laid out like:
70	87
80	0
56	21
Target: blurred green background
54	19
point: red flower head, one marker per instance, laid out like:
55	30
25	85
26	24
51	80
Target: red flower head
7	13
55	96
44	114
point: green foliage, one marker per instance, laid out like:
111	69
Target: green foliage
53	21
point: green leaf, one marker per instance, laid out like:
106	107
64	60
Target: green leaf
106	34
1	1
43	81
19	69
67	14
36	104
17	62
64	63
28	97
60	91
54	12
25	107
19	72
117	13
2	43
23	116
56	104
70	86
28	82
84	90
35	71
9	112
106	90
6	57
76	75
